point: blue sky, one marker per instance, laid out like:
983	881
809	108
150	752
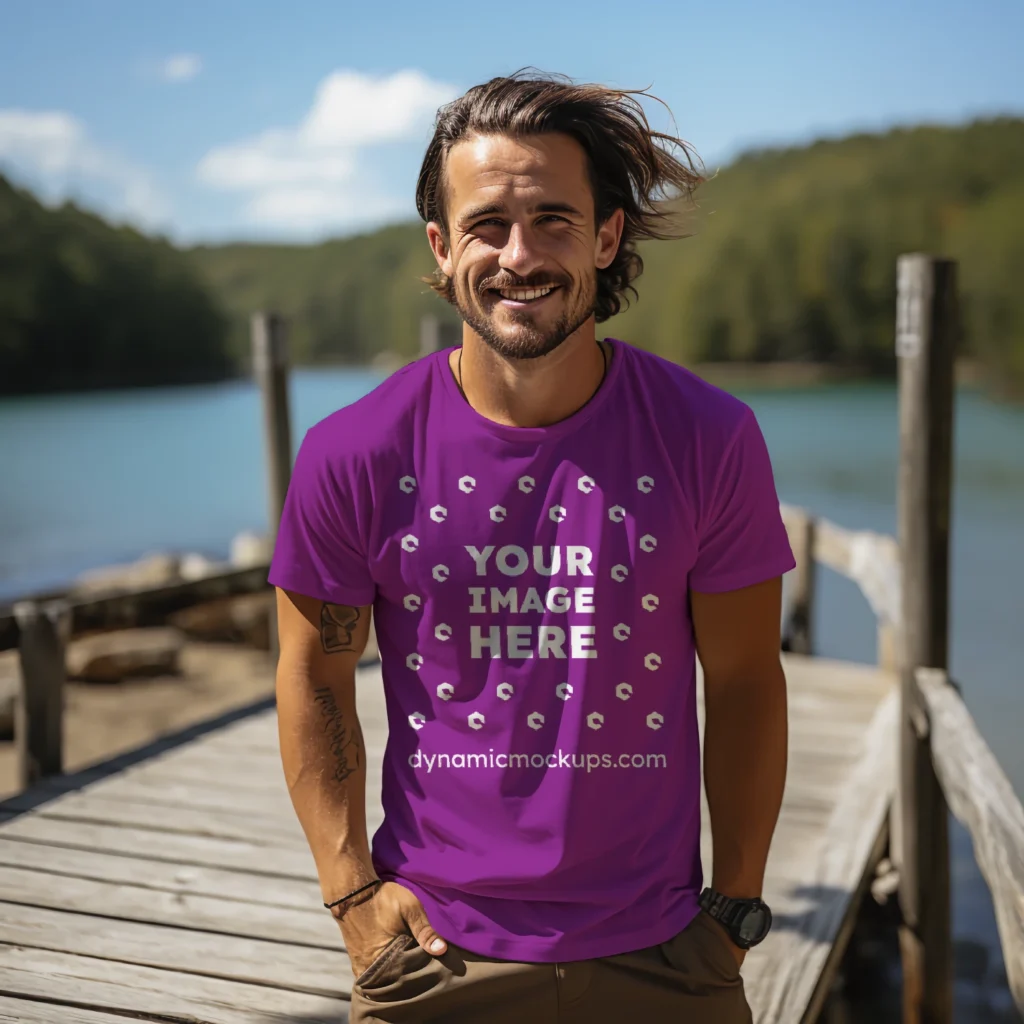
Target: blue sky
222	119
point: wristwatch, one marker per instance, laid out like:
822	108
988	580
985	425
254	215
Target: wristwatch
747	921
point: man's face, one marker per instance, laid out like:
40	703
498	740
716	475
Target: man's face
523	248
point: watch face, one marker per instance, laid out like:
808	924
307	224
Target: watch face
755	924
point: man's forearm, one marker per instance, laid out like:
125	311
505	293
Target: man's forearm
325	768
745	750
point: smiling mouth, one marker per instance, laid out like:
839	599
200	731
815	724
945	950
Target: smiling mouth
524	296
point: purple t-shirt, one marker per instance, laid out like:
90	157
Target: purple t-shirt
541	783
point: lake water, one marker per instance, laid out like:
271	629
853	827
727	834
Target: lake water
86	480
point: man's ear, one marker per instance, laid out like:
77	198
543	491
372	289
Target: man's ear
609	235
437	237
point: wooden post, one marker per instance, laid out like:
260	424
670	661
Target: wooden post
800	626
39	708
926	334
270	365
430	334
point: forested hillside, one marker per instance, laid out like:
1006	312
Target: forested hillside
795	251
792	257
85	305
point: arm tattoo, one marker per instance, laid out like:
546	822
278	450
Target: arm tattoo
337	627
342	740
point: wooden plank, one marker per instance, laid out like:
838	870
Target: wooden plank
983	800
170	793
19	1011
202	851
257	961
150	606
266	829
310	926
133	991
829	876
167	876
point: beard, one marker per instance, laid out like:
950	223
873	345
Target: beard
525	339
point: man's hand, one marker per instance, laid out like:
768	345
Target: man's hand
370	926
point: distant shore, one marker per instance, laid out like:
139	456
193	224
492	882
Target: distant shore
738	376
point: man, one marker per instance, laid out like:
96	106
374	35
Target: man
545	528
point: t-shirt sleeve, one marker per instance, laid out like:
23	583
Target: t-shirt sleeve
318	552
742	539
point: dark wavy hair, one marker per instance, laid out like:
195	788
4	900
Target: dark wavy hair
631	166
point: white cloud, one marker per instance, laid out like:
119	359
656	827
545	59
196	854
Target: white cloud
308	175
181	67
53	148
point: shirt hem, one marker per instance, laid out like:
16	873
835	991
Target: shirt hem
560	950
356	598
747	578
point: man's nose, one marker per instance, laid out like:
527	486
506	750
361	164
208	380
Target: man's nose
520	255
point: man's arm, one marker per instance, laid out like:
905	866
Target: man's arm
321	742
745	728
324	761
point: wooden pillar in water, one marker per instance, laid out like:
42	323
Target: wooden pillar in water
270	366
926	335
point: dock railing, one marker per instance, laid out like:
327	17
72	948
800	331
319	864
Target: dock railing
944	762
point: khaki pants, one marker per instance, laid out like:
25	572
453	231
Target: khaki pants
692	977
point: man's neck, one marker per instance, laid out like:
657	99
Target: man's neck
530	392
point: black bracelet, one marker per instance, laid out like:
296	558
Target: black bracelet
356	892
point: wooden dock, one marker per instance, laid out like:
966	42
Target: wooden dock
175	885
181	888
